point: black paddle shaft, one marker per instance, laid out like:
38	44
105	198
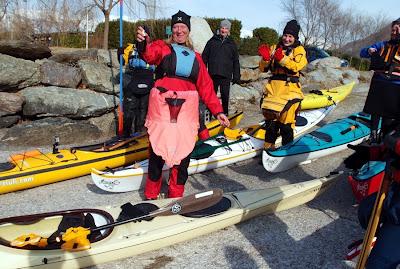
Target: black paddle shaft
190	203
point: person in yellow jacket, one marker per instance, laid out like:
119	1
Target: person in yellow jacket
282	93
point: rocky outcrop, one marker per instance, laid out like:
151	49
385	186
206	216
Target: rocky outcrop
100	78
10	103
42	132
72	57
56	74
17	73
73	103
24	50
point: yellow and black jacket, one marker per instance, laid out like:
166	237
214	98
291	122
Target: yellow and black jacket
284	84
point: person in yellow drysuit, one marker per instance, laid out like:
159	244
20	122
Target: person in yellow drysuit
282	94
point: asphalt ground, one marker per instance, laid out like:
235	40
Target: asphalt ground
314	235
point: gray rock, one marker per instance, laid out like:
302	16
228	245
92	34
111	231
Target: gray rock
244	93
10	103
107	123
99	77
24	49
42	132
249	61
350	75
8	121
56	74
72	103
200	33
72	57
108	57
333	62
365	76
248	74
17	73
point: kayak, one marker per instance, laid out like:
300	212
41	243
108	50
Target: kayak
323	98
328	139
134	238
36	168
367	180
215	152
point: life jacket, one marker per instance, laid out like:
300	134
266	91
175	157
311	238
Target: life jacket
181	63
390	54
278	71
131	57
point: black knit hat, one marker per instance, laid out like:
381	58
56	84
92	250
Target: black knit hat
293	28
180	17
396	22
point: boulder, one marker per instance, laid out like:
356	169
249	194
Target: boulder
10	103
99	77
24	49
9	121
366	76
73	103
56	74
200	33
244	93
17	73
249	61
332	62
106	123
248	74
42	132
350	75
72	57
108	57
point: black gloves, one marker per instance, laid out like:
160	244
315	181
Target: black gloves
358	158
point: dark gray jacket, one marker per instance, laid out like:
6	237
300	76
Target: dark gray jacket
222	58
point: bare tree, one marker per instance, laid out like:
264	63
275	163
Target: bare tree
106	6
3	8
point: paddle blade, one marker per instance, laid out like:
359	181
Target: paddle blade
75	239
233	134
30	239
193	202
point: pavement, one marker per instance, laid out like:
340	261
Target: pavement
314	235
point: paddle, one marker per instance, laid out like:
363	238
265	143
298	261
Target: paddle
120	144
205	150
375	217
75	238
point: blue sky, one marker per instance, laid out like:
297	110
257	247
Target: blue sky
259	13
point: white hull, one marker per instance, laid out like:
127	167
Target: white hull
275	164
133	177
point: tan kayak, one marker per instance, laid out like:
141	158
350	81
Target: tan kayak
135	238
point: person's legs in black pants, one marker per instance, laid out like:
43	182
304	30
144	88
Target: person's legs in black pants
225	85
129	106
141	111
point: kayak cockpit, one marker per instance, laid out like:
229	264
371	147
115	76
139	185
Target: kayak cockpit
6	166
50	226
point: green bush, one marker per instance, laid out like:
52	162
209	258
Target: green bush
249	46
266	35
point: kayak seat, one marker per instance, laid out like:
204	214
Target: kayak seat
6	166
301	121
223	205
322	136
130	211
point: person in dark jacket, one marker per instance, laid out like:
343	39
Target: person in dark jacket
222	59
385	84
137	86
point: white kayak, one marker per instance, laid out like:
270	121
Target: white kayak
223	151
132	238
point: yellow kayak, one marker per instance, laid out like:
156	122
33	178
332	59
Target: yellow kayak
36	168
324	98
